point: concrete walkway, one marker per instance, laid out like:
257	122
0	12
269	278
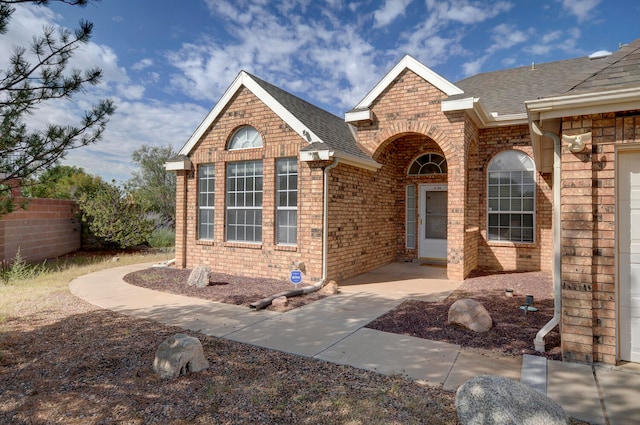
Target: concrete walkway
332	329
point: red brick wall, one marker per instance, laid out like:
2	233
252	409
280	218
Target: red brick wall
266	259
588	236
47	228
498	256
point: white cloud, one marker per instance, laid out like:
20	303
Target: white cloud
473	67
465	11
389	11
142	64
581	9
506	36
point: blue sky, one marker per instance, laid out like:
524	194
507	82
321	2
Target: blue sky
166	63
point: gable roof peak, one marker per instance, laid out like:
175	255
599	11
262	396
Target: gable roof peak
410	63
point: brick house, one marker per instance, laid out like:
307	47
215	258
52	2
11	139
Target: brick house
531	168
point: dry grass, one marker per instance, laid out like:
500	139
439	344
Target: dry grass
63	360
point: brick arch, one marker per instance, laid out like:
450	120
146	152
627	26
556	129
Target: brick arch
435	133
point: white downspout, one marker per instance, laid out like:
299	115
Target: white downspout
557	242
325	218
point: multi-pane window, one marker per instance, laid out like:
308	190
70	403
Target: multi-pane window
511	197
411	217
244	201
206	200
245	138
429	163
287	201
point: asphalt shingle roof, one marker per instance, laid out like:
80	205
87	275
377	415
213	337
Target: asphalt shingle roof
505	91
331	129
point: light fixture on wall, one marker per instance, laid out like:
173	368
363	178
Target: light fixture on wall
577	142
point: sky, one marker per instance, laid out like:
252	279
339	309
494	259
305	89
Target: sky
167	63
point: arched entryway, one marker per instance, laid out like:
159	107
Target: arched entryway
419	169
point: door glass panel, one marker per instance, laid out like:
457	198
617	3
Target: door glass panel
436	215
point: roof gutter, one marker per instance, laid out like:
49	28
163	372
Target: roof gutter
345	158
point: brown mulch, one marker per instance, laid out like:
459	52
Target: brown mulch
512	334
513	331
222	287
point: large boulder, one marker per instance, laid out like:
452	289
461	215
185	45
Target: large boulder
470	314
495	400
199	276
178	355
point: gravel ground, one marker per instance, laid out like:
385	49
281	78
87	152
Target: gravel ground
68	362
73	363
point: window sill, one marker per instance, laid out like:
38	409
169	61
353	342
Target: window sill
290	248
205	242
513	244
246	245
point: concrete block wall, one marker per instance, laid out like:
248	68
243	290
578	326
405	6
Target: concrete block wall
47	228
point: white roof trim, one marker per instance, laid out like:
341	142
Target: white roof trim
345	158
584	104
412	64
480	115
244	79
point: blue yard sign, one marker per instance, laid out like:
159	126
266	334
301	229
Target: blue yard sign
295	277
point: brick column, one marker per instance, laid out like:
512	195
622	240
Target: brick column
577	208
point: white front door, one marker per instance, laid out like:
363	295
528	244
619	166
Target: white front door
432	242
629	254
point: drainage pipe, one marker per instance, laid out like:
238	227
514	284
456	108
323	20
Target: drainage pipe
557	241
325	218
265	302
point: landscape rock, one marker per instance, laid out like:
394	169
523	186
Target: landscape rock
495	400
470	314
178	355
280	301
199	276
330	288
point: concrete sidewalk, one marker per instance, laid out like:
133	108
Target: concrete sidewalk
332	329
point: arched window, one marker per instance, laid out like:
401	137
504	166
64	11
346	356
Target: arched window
511	197
429	163
244	138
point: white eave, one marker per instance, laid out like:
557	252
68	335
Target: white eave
345	158
359	113
541	111
181	164
479	114
244	79
584	104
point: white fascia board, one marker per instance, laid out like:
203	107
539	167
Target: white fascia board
345	158
183	164
243	79
408	62
584	104
319	155
480	115
356	116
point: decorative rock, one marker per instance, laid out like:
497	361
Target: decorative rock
199	276
470	314
495	400
280	301
330	288
178	355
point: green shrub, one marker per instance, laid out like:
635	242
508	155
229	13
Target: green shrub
162	237
19	269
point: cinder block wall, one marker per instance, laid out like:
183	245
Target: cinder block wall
47	228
